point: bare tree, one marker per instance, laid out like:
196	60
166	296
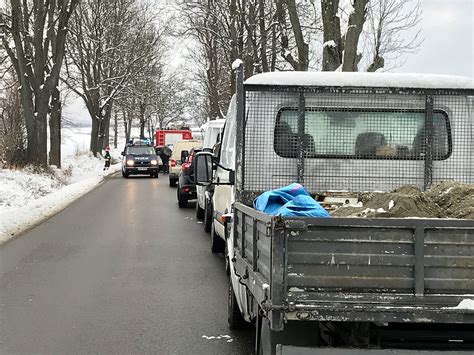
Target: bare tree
38	30
110	43
389	22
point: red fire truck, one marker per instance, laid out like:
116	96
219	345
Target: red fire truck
169	136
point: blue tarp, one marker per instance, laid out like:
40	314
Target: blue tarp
289	201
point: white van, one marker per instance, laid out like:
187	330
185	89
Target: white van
212	131
179	148
223	195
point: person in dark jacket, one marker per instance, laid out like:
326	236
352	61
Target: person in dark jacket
107	158
165	155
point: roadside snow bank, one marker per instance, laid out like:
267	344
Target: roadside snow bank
26	198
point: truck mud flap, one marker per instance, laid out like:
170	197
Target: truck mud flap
295	350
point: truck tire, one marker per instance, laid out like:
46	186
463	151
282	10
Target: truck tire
182	200
217	243
234	317
207	217
199	212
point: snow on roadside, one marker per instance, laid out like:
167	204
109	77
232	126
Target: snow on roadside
26	198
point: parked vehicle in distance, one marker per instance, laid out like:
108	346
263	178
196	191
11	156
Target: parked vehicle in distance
139	159
180	153
186	185
170	136
212	134
310	283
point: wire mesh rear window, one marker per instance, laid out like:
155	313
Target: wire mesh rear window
363	134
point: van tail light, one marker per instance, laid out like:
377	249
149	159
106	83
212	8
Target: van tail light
172	163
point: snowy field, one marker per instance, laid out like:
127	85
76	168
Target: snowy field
27	198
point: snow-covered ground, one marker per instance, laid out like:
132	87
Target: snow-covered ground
27	198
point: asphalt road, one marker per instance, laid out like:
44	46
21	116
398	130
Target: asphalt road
121	270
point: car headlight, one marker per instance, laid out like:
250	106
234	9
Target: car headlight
154	162
130	162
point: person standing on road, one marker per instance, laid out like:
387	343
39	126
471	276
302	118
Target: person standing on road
107	158
165	155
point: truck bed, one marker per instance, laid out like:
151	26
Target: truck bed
356	269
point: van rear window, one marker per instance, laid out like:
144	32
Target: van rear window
364	134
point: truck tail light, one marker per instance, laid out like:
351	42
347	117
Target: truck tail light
172	163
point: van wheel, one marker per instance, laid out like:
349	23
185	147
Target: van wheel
207	216
124	174
217	244
234	317
199	211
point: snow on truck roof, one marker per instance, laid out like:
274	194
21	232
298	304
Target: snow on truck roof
357	79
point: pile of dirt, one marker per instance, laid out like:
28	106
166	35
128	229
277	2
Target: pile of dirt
454	198
444	200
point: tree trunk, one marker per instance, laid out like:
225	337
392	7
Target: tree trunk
125	125
103	137
41	123
142	121
115	130
356	23
303	48
55	129
284	38
129	125
263	36
95	135
107	133
234	52
378	63
332	54
273	55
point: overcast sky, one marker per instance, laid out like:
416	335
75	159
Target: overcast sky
448	29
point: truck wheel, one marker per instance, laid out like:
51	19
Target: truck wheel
199	211
217	244
207	217
182	200
234	317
